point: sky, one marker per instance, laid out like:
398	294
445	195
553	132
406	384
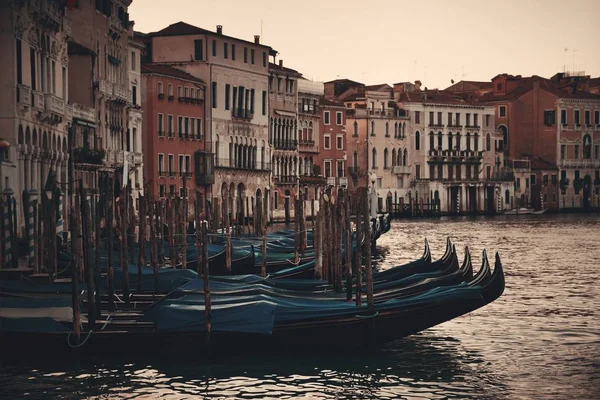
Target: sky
383	41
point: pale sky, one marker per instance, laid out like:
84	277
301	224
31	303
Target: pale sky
393	41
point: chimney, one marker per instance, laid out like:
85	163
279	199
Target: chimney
281	63
417	86
219	29
257	39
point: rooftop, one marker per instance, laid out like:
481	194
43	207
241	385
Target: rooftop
167	70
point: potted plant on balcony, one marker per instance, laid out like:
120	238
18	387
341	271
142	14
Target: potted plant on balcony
564	183
577	185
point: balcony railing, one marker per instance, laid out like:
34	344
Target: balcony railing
286	145
241	165
242	113
50	13
579	163
105	87
69	112
306	142
331	181
401	169
342	181
84	113
285	179
121	92
38	101
24	95
54	104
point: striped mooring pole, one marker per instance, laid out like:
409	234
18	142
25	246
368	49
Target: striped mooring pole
7	242
458	201
499	202
31	209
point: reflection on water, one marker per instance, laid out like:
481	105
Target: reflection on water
541	339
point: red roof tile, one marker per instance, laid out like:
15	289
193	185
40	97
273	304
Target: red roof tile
277	67
167	70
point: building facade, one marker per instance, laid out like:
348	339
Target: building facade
134	146
312	179
333	157
174	133
236	119
34	111
283	125
455	166
102	30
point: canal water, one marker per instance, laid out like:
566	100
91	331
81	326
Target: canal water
540	340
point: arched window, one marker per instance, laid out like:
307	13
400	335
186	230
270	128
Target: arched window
404	157
417	140
395	129
355	131
476	142
439	144
372	128
449	140
431	141
393	157
468	141
457	140
374	158
387	129
506	197
385	158
403	130
310	130
587	147
355	159
488	142
399	157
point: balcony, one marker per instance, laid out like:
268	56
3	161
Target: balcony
84	113
121	93
241	113
38	100
330	181
138	158
286	145
434	125
285	179
105	87
116	25
68	112
306	142
240	165
342	181
579	163
50	14
24	95
401	169
313	180
67	26
54	105
85	155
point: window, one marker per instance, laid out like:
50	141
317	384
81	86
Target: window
192	93
596	151
417	140
32	57
252	56
488	171
374	158
341	171
468	118
563	117
499	87
227	90
545	179
576	152
192	128
457	119
64	86
488	142
161	190
487	120
252	101
439	118
225	50
549	117
198	50
449	119
431	121
339	117
327	144
171	190
327	167
214	48
372	128
186	126
386	156
553	179
179	91
19	63
170	90
387	129
186	92
161	164
170	125
339	142
233	51
275	196
532	179
133	94
502	111
170	166
160	88
161	129
355	129
476	120
264	57
417	117
133	66
326	117
526	183
214	95
246	61
264	102
597	117
586	117
563	150
417	171
518	183
181	164
180	126
199	128
576	117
